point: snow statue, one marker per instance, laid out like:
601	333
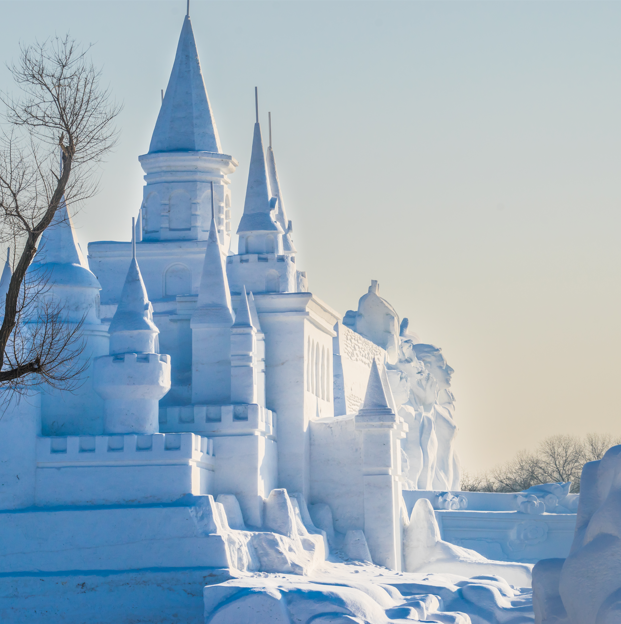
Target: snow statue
585	588
420	380
425	550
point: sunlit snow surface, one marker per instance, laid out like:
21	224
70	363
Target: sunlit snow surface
361	593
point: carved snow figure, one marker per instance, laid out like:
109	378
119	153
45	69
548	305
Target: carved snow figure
420	380
378	321
447	473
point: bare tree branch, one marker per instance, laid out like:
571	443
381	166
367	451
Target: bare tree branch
59	112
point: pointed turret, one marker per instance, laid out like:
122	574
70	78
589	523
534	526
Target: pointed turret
132	329
58	242
211	330
214	297
376	395
243	316
60	265
258	206
134	377
253	312
281	214
185	122
67	283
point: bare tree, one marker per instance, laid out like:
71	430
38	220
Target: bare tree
58	107
559	458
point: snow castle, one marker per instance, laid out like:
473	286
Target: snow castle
230	420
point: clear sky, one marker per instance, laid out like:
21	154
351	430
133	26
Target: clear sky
465	154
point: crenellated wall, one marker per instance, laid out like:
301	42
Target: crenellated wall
122	469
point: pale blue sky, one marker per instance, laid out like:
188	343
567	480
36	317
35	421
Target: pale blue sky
465	154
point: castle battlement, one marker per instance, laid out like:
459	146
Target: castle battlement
134	449
220	420
129	359
256	258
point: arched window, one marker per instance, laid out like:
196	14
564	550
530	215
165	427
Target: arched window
254	244
151	214
180	216
272	281
177	281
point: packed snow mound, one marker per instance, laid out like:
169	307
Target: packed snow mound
366	594
425	551
585	588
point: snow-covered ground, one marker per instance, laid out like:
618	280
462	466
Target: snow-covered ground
362	593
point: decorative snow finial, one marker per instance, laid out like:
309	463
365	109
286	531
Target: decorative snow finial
269	116
187	13
162	94
374	287
256	102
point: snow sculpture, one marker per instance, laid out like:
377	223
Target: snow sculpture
134	377
420	379
424	550
355	546
266	259
245	360
585	588
378	321
72	290
211	328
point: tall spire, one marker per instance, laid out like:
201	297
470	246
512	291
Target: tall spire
243	316
257	207
214	296
185	122
281	215
58	242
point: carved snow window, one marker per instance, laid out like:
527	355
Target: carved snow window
272	281
180	216
177	281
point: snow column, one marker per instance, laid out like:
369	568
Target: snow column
379	426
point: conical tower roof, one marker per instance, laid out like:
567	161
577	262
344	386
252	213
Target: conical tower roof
243	316
134	312
376	397
60	256
185	122
253	311
258	208
214	296
275	188
281	216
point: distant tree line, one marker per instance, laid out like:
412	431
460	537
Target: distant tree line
559	458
